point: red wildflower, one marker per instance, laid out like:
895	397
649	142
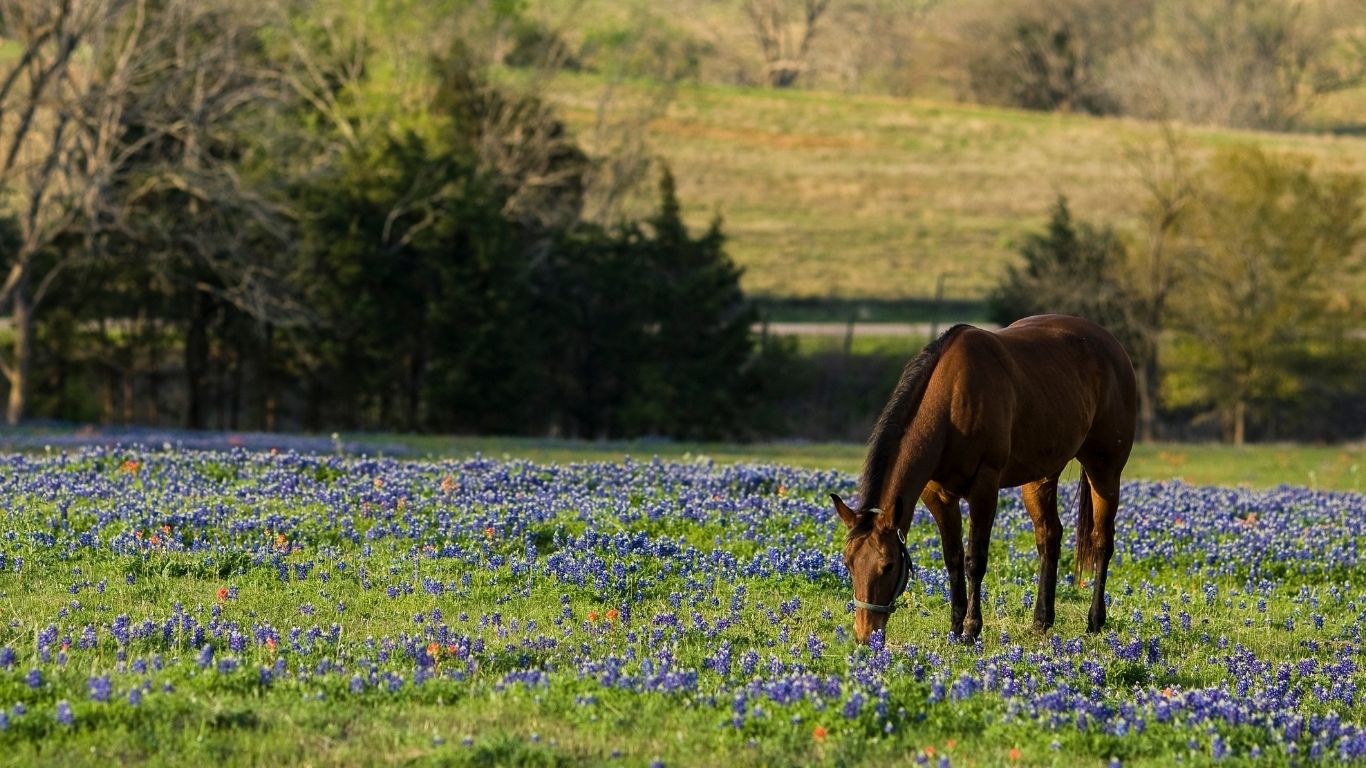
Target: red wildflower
1014	753
592	615
819	733
222	594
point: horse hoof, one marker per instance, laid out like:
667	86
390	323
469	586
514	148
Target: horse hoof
971	629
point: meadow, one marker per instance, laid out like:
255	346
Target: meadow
240	607
871	198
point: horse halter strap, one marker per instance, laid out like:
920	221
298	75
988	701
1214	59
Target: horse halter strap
902	580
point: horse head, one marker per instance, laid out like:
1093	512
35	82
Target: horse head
879	565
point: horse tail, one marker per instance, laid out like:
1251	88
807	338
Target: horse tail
1086	556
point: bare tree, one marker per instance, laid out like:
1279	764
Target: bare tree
1155	271
55	147
112	106
1248	63
784	30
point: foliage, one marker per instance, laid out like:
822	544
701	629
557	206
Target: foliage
1052	56
1271	250
1072	268
650	329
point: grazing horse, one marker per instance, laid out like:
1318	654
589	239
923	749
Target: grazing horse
973	413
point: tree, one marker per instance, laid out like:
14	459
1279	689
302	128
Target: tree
1154	271
649	330
1070	268
1247	63
698	357
108	104
55	149
784	30
1052	56
1272	248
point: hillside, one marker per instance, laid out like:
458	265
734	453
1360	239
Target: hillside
873	197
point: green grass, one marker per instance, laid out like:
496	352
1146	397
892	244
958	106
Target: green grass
836	196
1254	466
413	527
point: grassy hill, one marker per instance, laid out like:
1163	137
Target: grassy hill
834	196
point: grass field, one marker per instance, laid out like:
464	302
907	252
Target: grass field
1253	466
181	607
836	196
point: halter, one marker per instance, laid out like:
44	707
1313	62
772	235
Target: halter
901	582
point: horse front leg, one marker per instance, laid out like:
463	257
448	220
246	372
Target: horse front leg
982	515
943	508
1041	501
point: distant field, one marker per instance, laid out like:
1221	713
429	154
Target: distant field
1255	466
833	196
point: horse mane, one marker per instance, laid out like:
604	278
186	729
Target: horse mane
896	416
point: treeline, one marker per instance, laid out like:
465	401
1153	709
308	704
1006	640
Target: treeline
1244	63
252	216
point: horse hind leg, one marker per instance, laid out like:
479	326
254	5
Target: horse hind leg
1041	501
1104	505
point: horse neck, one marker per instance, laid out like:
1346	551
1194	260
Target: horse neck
922	447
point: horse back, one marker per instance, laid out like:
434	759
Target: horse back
1031	396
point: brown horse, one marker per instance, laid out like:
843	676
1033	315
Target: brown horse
976	412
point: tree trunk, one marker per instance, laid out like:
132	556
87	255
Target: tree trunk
196	362
1239	422
1149	388
18	372
270	399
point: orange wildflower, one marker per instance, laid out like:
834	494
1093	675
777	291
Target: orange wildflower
592	615
379	483
271	644
130	467
488	532
612	614
448	484
222	594
434	650
1014	753
818	733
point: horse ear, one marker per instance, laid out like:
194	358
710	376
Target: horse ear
849	516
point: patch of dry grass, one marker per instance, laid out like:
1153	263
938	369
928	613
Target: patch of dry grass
836	196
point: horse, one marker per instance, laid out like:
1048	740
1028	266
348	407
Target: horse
977	411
